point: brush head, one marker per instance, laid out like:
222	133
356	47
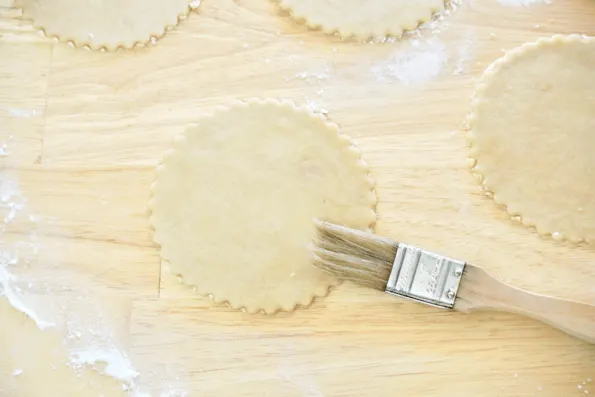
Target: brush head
352	255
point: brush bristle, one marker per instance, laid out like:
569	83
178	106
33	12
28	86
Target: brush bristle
352	255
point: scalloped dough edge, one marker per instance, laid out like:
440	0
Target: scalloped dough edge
152	38
347	142
395	32
480	88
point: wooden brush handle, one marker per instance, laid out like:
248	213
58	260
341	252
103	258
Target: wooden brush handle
480	291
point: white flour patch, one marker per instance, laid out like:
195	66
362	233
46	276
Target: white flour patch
584	386
11	200
420	64
316	106
5	147
465	53
23	113
315	75
16	301
93	341
419	58
11	203
115	362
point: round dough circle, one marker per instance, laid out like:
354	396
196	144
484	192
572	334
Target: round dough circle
234	201
363	19
532	133
105	24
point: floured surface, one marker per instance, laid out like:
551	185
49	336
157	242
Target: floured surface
233	203
363	19
88	129
532	131
104	23
60	335
38	363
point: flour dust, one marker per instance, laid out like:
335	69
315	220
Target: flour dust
89	332
419	64
418	58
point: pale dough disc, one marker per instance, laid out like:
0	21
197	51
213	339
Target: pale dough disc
363	19
532	130
234	201
108	24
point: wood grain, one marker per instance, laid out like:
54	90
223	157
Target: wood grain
355	342
90	127
23	89
479	291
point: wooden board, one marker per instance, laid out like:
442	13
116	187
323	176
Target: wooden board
88	129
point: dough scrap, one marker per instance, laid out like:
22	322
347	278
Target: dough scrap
532	134
363	19
105	24
234	201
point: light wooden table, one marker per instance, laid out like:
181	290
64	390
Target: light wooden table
89	128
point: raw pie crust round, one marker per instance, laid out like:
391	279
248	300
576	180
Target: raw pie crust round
234	201
105	24
532	131
363	19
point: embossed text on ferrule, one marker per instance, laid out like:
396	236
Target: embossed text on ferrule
425	276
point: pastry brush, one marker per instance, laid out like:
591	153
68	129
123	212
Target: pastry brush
423	276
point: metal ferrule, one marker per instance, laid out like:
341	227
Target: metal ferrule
424	276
